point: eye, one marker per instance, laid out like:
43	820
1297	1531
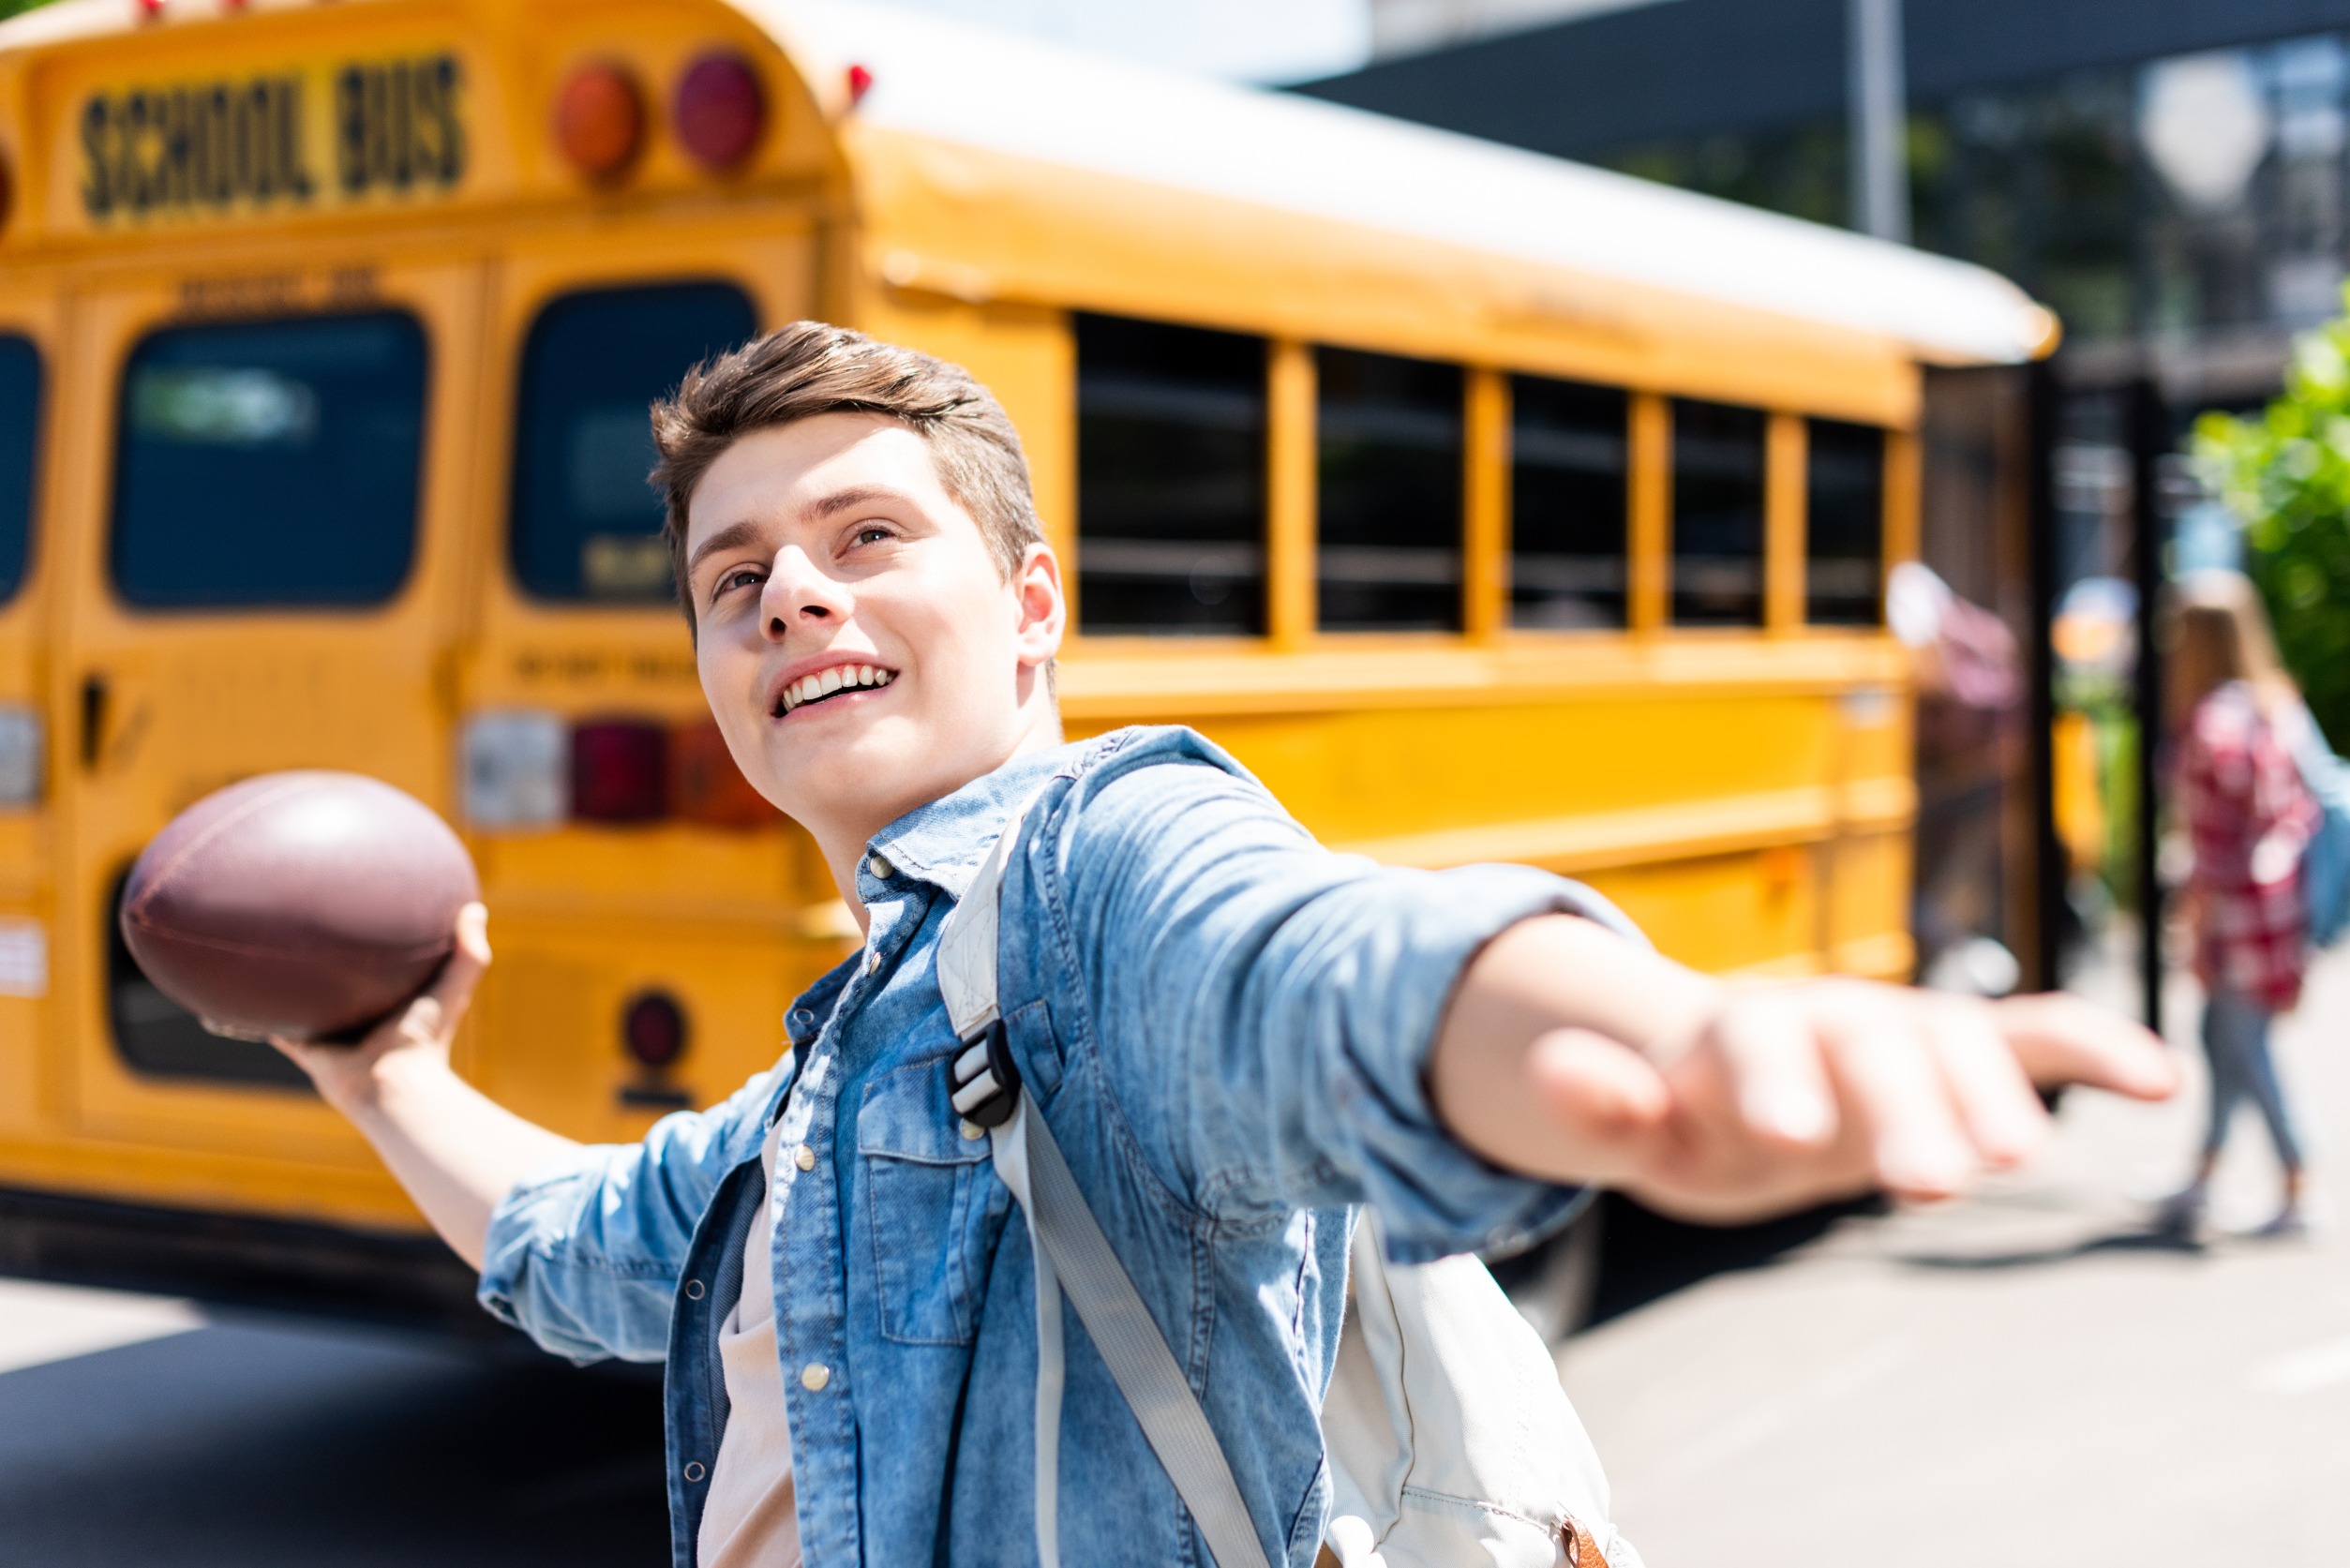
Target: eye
870	533
728	581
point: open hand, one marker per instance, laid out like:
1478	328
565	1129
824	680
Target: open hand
1790	1096
1730	1101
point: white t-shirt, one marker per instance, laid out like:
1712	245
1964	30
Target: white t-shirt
749	1519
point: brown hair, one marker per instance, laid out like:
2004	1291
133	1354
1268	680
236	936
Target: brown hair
812	367
2219	632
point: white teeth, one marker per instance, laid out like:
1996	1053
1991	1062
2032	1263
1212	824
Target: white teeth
840	676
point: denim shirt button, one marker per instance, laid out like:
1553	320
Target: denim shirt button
878	867
972	1131
693	1289
804	1158
693	1470
815	1375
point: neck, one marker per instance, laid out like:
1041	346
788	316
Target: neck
842	840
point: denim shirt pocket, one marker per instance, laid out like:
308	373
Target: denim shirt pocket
929	1202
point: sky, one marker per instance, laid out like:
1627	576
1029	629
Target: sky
1244	41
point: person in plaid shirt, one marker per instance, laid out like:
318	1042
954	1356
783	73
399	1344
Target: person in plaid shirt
2249	817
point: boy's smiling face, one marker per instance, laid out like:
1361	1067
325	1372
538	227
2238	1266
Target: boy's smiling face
857	639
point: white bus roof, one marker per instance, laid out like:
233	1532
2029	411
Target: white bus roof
948	80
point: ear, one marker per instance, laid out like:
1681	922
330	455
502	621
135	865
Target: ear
1043	607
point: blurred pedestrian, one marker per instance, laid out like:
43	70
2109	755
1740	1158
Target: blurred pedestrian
2249	816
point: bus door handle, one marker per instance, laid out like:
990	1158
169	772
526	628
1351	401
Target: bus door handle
95	693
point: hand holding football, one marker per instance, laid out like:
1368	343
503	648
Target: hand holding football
302	904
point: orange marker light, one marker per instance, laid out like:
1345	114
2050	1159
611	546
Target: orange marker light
600	121
720	109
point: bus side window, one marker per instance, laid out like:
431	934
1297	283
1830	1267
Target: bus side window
585	523
1170	465
19	437
1568	494
1844	546
1389	432
1717	460
270	463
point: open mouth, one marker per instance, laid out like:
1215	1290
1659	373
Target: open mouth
824	685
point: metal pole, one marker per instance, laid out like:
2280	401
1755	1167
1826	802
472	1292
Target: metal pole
2149	440
1879	100
2049	869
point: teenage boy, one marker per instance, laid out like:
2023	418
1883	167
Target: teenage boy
1233	1034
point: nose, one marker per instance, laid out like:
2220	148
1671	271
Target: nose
800	595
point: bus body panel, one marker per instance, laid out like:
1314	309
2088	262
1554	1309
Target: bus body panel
1746	793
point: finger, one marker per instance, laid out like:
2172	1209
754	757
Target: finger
1890	1084
2062	1039
1606	1106
1995	1098
1780	1086
442	1005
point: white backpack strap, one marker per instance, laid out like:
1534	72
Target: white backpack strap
1071	1253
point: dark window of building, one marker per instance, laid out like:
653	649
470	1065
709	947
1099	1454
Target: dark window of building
1389	432
270	463
19	441
1568	515
1717	462
1171	451
156	1038
1844	550
586	524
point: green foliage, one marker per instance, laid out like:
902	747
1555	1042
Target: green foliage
12	7
2286	474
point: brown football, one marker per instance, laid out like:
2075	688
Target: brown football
306	904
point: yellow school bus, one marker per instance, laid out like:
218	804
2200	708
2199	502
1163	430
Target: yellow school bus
1487	507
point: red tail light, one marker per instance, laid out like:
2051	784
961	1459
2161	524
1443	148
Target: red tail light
705	786
620	771
720	109
600	120
652	1029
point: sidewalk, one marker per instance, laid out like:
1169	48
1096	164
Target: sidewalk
2025	1378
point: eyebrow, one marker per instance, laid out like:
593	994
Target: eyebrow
737	534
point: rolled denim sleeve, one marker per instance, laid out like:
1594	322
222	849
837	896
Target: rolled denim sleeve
583	1254
1265	1008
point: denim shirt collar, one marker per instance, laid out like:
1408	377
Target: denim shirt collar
944	841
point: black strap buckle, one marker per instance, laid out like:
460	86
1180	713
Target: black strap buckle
987	1084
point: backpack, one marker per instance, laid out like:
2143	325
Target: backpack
2326	859
1450	1443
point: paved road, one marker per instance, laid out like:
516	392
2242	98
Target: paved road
2026	1380
133	1434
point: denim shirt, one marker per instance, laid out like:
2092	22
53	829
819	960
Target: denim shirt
1225	1026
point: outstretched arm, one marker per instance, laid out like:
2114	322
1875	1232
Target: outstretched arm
1569	1053
455	1151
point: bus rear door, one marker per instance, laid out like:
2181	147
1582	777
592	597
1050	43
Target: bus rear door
265	563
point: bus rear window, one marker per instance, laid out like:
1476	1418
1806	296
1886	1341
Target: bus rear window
1170	479
586	524
1568	501
19	437
1716	514
1844	547
270	463
1390	463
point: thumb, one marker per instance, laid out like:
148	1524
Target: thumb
1609	1105
452	990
